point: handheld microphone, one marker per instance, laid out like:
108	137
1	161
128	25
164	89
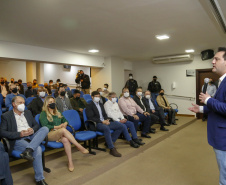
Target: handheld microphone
206	81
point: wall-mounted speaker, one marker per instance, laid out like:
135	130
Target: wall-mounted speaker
207	54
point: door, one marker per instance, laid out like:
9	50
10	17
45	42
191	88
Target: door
201	74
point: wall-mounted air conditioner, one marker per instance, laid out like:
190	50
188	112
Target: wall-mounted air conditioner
173	58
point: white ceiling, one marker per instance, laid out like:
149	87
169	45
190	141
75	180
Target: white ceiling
123	28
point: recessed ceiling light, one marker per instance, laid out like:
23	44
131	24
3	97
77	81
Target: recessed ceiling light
189	50
93	51
162	37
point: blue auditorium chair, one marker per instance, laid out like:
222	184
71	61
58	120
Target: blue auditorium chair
87	122
40	85
74	120
87	97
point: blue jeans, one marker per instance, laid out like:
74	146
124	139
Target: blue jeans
154	95
221	161
132	129
110	139
36	139
142	118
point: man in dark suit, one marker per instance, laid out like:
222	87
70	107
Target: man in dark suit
144	104
95	112
5	174
19	126
30	92
215	107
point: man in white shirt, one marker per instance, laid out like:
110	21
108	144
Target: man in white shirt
112	109
19	126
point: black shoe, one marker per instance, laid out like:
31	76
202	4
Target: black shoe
133	144
164	129
145	135
41	182
152	131
174	124
166	124
138	141
27	154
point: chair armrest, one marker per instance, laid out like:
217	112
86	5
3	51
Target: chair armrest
90	125
175	105
6	144
73	130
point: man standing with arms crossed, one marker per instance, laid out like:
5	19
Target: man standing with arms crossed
215	107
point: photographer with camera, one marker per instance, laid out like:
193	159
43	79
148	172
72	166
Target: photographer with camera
85	81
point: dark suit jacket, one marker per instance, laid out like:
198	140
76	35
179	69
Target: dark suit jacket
216	124
154	103
93	113
8	127
35	106
21	89
30	92
137	100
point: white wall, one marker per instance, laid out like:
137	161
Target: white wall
168	73
13	69
34	53
55	71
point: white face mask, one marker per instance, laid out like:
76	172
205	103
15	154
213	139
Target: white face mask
114	100
148	96
42	94
101	93
96	99
126	94
130	77
104	88
21	107
139	93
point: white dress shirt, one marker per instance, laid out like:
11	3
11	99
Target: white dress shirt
206	100
113	111
21	122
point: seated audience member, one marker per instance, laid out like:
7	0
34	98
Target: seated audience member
68	91
14	92
95	112
4	88
163	102
62	102
78	104
19	126
134	113
30	92
36	104
102	99
112	109
105	92
157	113
141	101
56	123
35	84
21	91
46	86
51	85
211	88
11	81
57	83
5	173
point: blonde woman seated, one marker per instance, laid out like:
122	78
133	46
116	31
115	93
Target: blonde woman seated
56	122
